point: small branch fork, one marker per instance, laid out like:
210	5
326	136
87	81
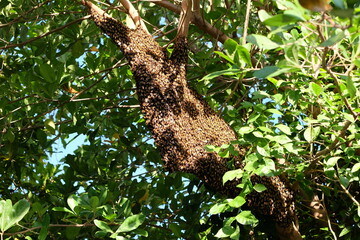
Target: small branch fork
196	18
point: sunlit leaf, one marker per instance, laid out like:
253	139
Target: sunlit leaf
351	87
259	187
131	223
50	126
218	208
12	214
246	218
232	174
262	41
316	88
102	225
333	39
237	202
311	133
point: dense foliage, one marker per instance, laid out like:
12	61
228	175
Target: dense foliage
290	91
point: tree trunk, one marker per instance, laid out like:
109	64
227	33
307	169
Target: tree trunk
182	123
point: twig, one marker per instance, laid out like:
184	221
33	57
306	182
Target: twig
335	142
246	23
44	34
355	115
24	14
349	194
52	225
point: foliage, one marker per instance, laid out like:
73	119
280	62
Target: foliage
291	93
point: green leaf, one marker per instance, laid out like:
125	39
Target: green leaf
285	129
265	72
245	130
232	174
262	42
263	15
274	111
311	133
344	181
61	209
77	49
230	46
50	126
72	202
333	39
229	71
47	72
218	208
225	231
351	87
282	139
345	231
211	148
10	215
357	62
103	226
316	88
141	232
259	187
9	135
237	202
332	161
224	154
270	72
236	235
131	223
221	54
355	168
246	218
175	228
44	227
281	20
262	151
94	201
244	54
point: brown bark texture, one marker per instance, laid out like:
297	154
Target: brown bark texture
182	123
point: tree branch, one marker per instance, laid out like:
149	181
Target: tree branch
22	15
185	16
198	20
134	14
44	34
334	144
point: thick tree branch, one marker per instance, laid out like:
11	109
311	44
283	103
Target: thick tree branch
185	16
198	20
134	14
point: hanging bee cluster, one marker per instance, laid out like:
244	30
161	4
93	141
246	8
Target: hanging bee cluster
181	122
277	200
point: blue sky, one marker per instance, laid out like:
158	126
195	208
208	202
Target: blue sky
59	150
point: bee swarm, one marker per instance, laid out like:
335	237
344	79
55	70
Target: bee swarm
182	123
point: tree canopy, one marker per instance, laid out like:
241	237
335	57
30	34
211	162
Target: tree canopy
284	78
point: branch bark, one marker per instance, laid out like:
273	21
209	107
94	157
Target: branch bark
185	16
134	14
198	20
